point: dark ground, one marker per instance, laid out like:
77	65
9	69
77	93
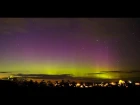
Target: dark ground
12	88
11	92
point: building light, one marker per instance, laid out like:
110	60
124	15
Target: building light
130	81
121	82
137	83
81	86
78	84
112	83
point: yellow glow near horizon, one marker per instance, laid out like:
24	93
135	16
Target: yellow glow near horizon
77	70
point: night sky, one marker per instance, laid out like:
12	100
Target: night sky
81	47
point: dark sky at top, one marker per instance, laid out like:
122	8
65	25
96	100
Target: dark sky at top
69	45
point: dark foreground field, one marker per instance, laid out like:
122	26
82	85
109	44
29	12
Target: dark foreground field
74	92
10	88
70	91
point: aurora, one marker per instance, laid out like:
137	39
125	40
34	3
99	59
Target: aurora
80	47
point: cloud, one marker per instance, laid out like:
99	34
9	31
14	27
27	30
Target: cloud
122	71
133	74
5	72
89	74
45	76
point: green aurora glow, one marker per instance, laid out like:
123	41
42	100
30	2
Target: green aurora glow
51	68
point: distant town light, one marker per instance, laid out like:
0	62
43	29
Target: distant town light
78	84
81	86
137	83
11	76
86	86
112	83
121	82
130	81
